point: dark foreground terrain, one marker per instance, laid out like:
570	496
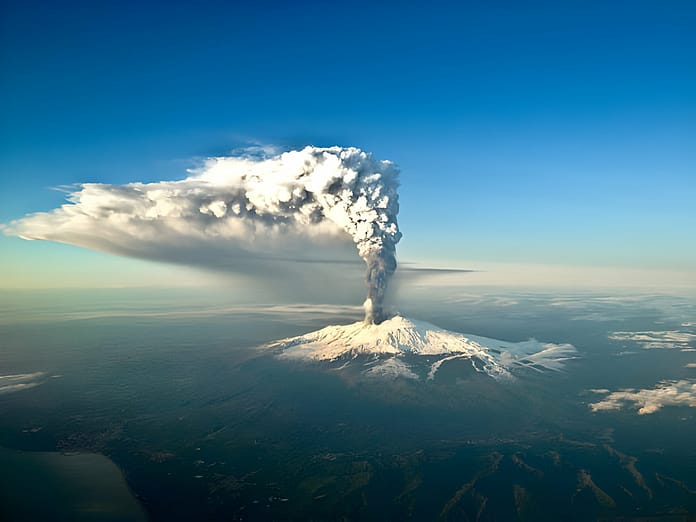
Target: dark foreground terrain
204	426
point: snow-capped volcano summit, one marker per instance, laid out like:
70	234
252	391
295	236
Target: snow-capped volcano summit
399	337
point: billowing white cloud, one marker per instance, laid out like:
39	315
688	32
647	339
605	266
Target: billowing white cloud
242	213
656	339
649	400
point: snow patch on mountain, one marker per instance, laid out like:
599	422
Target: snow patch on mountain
399	339
392	368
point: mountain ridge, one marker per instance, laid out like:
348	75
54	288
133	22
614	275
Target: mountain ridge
400	337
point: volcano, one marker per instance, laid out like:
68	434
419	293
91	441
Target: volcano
398	341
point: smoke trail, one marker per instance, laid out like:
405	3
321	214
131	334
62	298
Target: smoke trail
258	203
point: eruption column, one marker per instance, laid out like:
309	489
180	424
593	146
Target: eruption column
239	199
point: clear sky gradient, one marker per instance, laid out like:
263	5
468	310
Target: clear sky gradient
544	133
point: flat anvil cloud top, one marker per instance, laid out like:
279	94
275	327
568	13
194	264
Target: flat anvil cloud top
259	206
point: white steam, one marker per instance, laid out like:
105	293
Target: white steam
257	205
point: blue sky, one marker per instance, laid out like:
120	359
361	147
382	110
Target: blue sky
550	133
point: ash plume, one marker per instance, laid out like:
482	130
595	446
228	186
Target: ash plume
253	206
